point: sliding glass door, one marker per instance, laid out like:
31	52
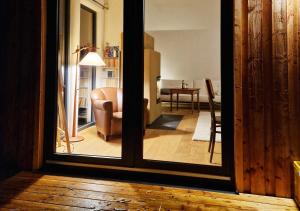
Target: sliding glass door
187	65
88	95
183	48
141	94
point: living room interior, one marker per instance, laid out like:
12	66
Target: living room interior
181	59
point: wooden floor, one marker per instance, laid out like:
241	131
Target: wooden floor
28	191
165	145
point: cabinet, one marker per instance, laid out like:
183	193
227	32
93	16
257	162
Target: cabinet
152	78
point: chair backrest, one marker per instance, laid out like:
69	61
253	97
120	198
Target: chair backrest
211	96
109	93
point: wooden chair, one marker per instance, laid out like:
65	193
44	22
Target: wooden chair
215	120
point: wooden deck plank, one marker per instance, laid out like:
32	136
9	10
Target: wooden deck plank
152	199
92	194
241	197
126	205
15	204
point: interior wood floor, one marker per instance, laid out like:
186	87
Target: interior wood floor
29	191
165	145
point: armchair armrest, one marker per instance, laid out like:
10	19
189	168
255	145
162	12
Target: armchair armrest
105	105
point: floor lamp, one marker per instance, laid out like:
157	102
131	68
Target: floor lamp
91	59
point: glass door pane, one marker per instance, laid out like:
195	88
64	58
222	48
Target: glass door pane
90	95
182	81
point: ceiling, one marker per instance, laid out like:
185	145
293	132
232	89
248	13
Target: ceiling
181	14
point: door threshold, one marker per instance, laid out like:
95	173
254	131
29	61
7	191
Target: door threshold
142	170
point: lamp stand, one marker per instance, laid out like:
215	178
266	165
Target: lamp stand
75	137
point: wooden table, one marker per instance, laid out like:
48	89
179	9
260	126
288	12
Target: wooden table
190	91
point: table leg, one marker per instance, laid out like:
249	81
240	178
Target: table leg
198	101
171	101
192	102
177	100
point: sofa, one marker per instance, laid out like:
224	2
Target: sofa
107	107
184	98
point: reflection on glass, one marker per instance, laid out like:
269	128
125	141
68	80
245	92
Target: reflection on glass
87	72
90	92
182	49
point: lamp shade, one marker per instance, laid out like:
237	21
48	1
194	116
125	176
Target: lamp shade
92	59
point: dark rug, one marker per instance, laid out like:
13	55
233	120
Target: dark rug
166	122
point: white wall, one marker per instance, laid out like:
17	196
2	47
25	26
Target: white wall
188	54
113	22
112	29
181	14
187	34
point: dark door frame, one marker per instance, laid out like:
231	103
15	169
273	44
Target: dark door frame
133	65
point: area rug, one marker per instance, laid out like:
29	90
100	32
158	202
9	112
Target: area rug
202	130
166	122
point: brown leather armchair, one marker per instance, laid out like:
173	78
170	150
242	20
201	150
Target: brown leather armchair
107	106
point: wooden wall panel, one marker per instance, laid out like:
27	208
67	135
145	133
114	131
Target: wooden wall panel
270	96
256	96
238	89
293	75
281	98
20	71
268	102
40	104
296	144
